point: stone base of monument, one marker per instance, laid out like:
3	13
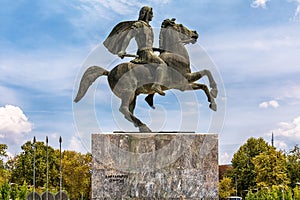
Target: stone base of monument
155	166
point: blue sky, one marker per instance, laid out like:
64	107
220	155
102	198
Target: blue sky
254	47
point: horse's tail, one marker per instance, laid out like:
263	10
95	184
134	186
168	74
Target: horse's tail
89	76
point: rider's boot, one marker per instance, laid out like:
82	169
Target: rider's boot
160	77
156	87
149	100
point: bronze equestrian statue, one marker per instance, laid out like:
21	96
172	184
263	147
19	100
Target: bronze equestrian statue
148	73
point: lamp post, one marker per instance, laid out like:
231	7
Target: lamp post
60	169
235	177
34	154
47	168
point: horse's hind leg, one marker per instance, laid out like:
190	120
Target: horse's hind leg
137	123
132	105
192	77
124	108
127	108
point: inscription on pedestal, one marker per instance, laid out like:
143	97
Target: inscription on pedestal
155	166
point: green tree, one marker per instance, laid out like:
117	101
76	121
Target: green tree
4	191
76	174
294	166
23	191
243	168
3	148
4	173
14	191
296	192
270	168
250	196
226	188
274	192
289	194
22	165
76	170
264	194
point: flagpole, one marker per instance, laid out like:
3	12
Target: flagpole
34	154
60	182
47	168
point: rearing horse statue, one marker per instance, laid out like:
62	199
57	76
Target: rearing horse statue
128	80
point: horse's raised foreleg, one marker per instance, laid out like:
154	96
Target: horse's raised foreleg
210	98
127	109
192	77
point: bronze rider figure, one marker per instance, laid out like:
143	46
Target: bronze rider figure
142	32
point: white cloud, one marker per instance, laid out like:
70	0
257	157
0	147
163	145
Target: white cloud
297	11
263	105
291	91
91	11
13	125
122	7
225	158
9	97
76	145
53	136
45	70
280	144
272	103
289	131
263	52
259	3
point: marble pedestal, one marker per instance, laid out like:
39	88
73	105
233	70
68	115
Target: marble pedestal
154	166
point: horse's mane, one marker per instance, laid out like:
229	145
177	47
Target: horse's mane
167	23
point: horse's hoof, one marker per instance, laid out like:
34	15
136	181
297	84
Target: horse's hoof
128	118
214	92
213	106
144	129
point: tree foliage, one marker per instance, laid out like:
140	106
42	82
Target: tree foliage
3	148
293	167
4	191
226	188
23	191
296	192
265	172
23	165
243	171
4	173
257	168
270	168
76	170
273	193
76	173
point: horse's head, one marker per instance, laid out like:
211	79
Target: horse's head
172	33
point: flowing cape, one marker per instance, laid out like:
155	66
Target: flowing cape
115	39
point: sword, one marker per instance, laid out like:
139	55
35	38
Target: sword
129	55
